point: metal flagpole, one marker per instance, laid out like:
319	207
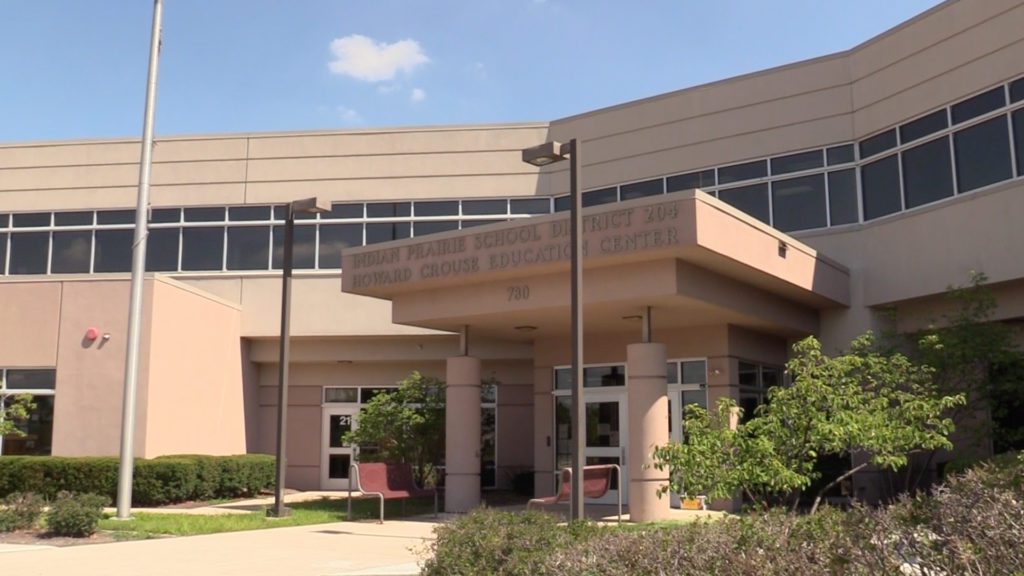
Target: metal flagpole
131	369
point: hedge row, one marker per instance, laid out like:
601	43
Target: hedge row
164	480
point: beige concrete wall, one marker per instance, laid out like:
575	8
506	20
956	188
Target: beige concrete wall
30	315
196	399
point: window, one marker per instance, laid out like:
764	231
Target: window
751	199
165	216
3	253
29	252
31	220
248	247
484	207
593	377
927	173
72	252
344	211
442	208
602	196
702	179
880	183
745	171
115	217
37	432
334	238
388	209
983	103
797	162
924	126
562	204
842	197
642	189
202	248
303	248
215	214
799	203
530	206
754	381
72	218
387	231
1017	90
839	154
425	228
982	154
1018	139
114	250
878	143
162	250
248	213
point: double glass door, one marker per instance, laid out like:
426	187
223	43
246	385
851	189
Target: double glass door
606	439
337	455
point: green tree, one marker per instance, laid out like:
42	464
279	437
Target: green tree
879	405
15	411
406	425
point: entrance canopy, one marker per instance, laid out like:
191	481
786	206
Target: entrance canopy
694	259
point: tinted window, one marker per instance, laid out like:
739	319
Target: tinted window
165	216
344	211
446	208
424	228
562	204
530	206
115	217
842	197
387	231
4	220
978	105
162	250
751	199
248	247
202	248
881	183
924	126
336	237
695	372
204	214
388	209
1018	138
1017	90
31	379
982	154
602	196
31	220
702	179
839	154
72	218
483	207
799	203
927	173
747	171
248	213
303	248
641	189
72	252
878	143
3	254
29	252
797	162
114	251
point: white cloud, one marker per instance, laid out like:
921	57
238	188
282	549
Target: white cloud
365	59
386	88
417	95
349	115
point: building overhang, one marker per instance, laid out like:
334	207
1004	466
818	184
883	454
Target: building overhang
694	259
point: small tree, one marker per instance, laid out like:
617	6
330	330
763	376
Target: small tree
880	405
406	425
15	411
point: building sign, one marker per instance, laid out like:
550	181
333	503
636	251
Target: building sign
614	232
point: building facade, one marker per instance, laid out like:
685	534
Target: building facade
737	216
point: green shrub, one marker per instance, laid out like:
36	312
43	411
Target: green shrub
159	481
486	541
75	515
20	511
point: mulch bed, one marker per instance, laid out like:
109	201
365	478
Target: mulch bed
39	538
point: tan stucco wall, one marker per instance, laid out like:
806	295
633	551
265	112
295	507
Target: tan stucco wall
30	315
196	399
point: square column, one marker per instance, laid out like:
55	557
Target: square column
647	395
462	434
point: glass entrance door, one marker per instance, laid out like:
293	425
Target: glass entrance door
606	436
336	454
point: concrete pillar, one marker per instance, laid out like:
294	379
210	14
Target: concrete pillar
462	434
647	394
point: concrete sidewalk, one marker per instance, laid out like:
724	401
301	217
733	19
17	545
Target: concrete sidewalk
338	549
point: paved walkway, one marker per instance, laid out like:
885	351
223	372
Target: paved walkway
338	549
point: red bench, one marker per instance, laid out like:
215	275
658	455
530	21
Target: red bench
387	481
597	480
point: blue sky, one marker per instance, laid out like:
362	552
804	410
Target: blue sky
77	68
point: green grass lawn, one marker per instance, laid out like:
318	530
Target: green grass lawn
323	511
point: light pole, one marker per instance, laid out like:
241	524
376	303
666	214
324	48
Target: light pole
305	206
549	153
